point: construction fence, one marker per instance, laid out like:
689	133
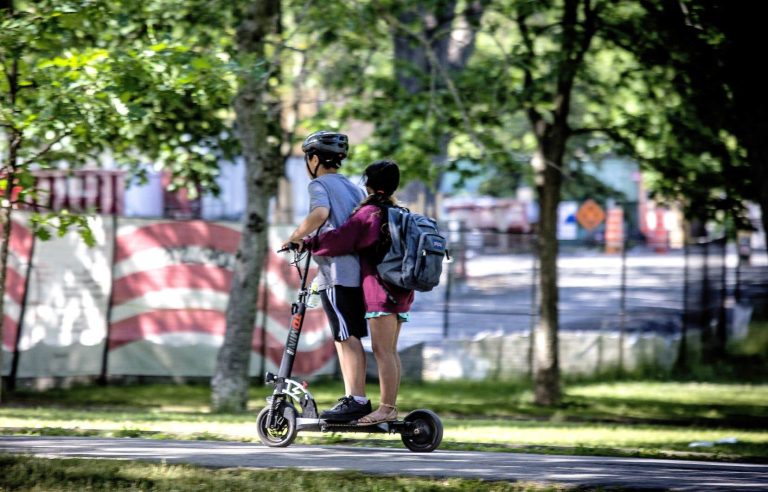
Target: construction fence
149	300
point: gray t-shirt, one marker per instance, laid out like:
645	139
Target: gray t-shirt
337	193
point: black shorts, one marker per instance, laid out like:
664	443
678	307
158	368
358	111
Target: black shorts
345	309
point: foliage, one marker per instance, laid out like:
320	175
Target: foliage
62	222
125	78
690	59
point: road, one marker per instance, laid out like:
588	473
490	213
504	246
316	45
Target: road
583	471
495	296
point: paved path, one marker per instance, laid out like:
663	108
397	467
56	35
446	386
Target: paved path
568	470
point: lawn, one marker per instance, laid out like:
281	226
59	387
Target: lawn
28	473
630	418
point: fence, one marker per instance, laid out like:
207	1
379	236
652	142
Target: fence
624	310
148	300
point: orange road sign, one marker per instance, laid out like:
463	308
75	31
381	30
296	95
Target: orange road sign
590	215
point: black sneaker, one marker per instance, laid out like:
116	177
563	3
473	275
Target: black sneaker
347	409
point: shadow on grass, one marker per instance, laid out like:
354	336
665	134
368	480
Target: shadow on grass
663	412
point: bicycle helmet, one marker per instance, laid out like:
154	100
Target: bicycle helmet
327	143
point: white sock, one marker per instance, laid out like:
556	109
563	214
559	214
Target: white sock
360	399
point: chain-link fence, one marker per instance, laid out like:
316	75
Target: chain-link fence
623	309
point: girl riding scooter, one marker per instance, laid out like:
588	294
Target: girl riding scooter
365	233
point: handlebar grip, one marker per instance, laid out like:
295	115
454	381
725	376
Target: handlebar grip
290	247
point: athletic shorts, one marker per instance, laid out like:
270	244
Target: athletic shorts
345	309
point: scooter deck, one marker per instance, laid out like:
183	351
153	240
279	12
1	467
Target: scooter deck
320	425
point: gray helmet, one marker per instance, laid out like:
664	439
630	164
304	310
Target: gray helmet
327	142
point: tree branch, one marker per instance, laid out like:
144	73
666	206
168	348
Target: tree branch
534	115
586	130
612	133
429	52
298	81
574	49
44	150
459	50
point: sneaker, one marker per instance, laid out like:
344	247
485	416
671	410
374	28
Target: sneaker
347	409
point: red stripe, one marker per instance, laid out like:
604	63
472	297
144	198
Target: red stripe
214	323
10	329
305	363
21	240
171	277
166	321
314	319
177	235
14	285
137	285
206	321
195	276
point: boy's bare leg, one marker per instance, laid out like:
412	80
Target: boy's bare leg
353	367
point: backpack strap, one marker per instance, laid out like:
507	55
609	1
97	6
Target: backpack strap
385	214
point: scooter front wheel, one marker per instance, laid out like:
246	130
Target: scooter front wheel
425	431
283	432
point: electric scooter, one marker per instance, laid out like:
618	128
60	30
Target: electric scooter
291	408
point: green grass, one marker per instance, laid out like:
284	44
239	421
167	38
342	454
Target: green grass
25	473
637	418
756	342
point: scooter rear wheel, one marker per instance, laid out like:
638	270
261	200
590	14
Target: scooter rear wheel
426	431
284	431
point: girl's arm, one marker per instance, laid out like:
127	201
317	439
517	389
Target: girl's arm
358	232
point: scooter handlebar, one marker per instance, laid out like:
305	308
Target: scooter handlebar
290	247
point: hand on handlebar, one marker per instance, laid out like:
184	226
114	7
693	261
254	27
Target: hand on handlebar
291	246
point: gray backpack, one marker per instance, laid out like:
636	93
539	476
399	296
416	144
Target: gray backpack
415	258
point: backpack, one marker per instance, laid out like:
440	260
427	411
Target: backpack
415	257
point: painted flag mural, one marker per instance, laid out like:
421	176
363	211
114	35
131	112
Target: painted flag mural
164	304
19	252
64	325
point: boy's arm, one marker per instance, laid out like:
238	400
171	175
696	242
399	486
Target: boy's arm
310	224
360	231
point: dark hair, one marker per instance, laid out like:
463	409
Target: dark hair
378	199
383	177
383	203
327	159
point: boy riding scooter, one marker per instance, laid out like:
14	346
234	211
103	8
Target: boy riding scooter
332	198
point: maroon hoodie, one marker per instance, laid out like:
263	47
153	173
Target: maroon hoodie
359	234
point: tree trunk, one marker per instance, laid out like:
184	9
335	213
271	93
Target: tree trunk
546	366
254	106
5	219
6	210
548	162
8	170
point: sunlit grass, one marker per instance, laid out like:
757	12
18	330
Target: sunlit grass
28	473
609	418
675	393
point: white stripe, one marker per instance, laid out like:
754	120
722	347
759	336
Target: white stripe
16	263
155	258
308	341
279	287
171	299
343	330
12	309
